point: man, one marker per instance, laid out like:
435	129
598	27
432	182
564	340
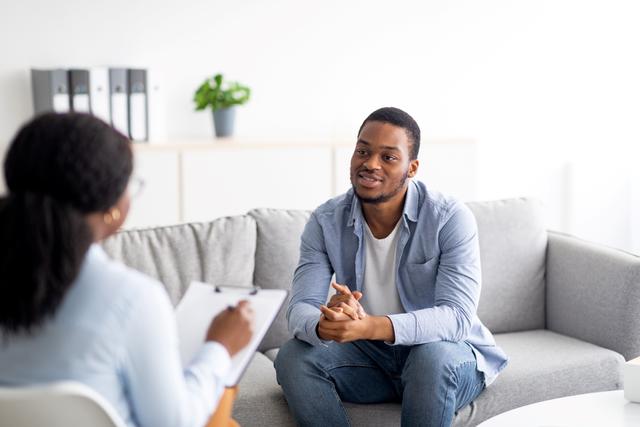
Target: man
402	325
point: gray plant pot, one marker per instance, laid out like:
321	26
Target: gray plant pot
223	121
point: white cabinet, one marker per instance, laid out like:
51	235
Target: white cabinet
604	202
189	181
231	181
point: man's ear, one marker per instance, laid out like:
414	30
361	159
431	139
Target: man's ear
413	168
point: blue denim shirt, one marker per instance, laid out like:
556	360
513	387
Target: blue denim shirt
438	272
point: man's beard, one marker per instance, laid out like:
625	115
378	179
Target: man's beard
384	197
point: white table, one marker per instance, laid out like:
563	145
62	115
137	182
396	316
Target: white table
606	409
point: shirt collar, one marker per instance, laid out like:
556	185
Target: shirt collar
412	202
355	213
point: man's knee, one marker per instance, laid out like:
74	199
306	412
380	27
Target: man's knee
292	358
433	359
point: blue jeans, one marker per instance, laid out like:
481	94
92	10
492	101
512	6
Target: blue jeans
432	380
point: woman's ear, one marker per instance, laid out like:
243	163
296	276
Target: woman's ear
112	216
107	223
119	212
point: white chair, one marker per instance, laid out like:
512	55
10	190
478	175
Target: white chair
59	404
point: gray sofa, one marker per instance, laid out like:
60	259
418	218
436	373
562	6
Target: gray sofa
567	312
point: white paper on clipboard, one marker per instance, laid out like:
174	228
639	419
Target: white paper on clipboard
202	302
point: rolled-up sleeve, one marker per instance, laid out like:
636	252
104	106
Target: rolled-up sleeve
160	391
310	284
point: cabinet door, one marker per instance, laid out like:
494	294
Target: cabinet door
231	181
445	166
158	203
601	203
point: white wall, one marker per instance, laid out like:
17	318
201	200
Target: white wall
537	83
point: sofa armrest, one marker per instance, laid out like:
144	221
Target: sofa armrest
593	293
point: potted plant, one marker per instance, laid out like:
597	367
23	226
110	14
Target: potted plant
222	96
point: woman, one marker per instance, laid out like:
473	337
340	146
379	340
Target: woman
67	312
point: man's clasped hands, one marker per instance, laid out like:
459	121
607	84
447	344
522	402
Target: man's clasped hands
344	319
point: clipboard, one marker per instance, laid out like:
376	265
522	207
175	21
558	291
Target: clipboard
202	302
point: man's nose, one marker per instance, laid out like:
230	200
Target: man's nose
372	163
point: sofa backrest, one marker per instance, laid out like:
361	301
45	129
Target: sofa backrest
513	245
277	254
262	248
219	252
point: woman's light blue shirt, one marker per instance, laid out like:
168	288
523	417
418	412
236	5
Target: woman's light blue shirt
115	331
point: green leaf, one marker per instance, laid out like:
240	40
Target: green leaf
217	93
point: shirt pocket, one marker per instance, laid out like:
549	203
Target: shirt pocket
421	278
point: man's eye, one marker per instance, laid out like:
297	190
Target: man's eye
390	158
361	152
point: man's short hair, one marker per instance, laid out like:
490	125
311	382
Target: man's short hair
397	117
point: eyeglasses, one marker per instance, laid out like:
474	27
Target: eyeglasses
136	185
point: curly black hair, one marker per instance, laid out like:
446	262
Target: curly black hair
397	117
58	169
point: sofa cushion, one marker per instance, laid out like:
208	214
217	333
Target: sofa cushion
277	255
535	373
513	243
544	365
260	401
219	252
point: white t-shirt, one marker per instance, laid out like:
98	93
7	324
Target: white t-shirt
380	295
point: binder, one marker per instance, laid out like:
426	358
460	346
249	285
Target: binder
50	90
118	100
99	93
156	107
202	302
138	116
79	90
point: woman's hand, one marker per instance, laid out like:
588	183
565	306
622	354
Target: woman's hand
233	327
